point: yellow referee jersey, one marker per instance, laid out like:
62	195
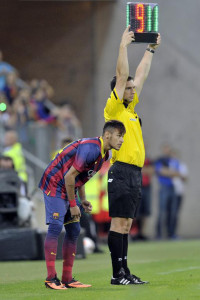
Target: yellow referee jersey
132	150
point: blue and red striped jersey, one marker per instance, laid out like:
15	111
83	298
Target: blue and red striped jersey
85	155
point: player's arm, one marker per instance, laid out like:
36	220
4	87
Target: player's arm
86	204
122	68
70	188
144	66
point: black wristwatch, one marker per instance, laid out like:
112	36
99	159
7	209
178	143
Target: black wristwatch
150	50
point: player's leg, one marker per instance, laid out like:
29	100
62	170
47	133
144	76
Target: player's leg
124	194
69	249
117	195
119	227
72	230
127	228
132	202
132	279
55	211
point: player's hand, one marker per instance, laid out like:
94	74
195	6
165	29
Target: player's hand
87	206
127	37
75	212
154	46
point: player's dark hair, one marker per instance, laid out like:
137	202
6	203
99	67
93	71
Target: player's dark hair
65	141
113	82
114	124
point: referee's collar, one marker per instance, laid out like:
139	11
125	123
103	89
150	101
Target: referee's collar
102	147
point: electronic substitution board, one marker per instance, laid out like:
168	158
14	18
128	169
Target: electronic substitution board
143	19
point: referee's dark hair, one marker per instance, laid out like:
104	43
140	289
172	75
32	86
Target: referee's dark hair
114	124
113	82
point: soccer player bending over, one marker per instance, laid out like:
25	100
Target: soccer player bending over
124	177
64	177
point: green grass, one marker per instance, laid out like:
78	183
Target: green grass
173	269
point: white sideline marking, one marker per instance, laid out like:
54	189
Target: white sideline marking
178	270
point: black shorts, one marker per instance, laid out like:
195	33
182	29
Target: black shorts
124	190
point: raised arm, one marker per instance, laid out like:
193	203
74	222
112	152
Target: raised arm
143	68
122	69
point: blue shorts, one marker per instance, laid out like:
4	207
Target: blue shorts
57	210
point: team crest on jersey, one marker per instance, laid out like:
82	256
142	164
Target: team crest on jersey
56	216
91	173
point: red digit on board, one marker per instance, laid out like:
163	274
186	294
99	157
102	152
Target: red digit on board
139	15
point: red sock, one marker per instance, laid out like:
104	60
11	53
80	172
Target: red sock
69	252
50	248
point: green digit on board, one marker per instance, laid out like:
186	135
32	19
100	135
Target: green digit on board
155	18
149	18
127	15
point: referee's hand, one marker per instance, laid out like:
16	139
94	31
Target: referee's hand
87	206
127	37
158	42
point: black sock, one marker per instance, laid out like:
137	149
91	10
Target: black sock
125	253
115	244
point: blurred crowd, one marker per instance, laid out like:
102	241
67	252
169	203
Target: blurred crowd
22	102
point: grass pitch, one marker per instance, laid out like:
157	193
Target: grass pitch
173	269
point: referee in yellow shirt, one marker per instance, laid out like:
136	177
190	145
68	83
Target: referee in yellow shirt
124	177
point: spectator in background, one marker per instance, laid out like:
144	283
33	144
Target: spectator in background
5	69
4	116
46	87
21	112
101	217
16	115
11	88
179	186
8	118
10	184
65	141
41	111
166	168
14	150
144	210
68	123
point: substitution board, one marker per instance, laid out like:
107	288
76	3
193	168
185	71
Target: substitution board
143	19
